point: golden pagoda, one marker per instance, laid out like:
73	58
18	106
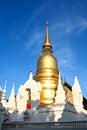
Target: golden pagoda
47	72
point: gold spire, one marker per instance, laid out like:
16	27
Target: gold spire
47	73
47	39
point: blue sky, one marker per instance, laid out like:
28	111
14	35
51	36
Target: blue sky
22	33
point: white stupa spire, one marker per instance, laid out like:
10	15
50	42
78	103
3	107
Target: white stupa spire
12	102
31	75
77	85
60	93
77	94
60	100
0	88
3	98
4	90
12	92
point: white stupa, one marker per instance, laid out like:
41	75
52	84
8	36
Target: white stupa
77	95
3	98
60	100
27	93
11	104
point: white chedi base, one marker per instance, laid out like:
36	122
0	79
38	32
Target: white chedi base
58	113
24	95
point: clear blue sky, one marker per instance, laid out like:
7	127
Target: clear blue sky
22	32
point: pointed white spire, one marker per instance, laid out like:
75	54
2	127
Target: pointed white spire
60	93
60	100
31	75
12	91
3	98
4	90
11	102
76	85
0	88
77	94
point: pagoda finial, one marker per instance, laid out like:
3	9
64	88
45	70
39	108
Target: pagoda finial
47	39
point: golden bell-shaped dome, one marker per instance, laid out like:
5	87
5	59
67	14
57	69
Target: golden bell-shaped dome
47	61
47	72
